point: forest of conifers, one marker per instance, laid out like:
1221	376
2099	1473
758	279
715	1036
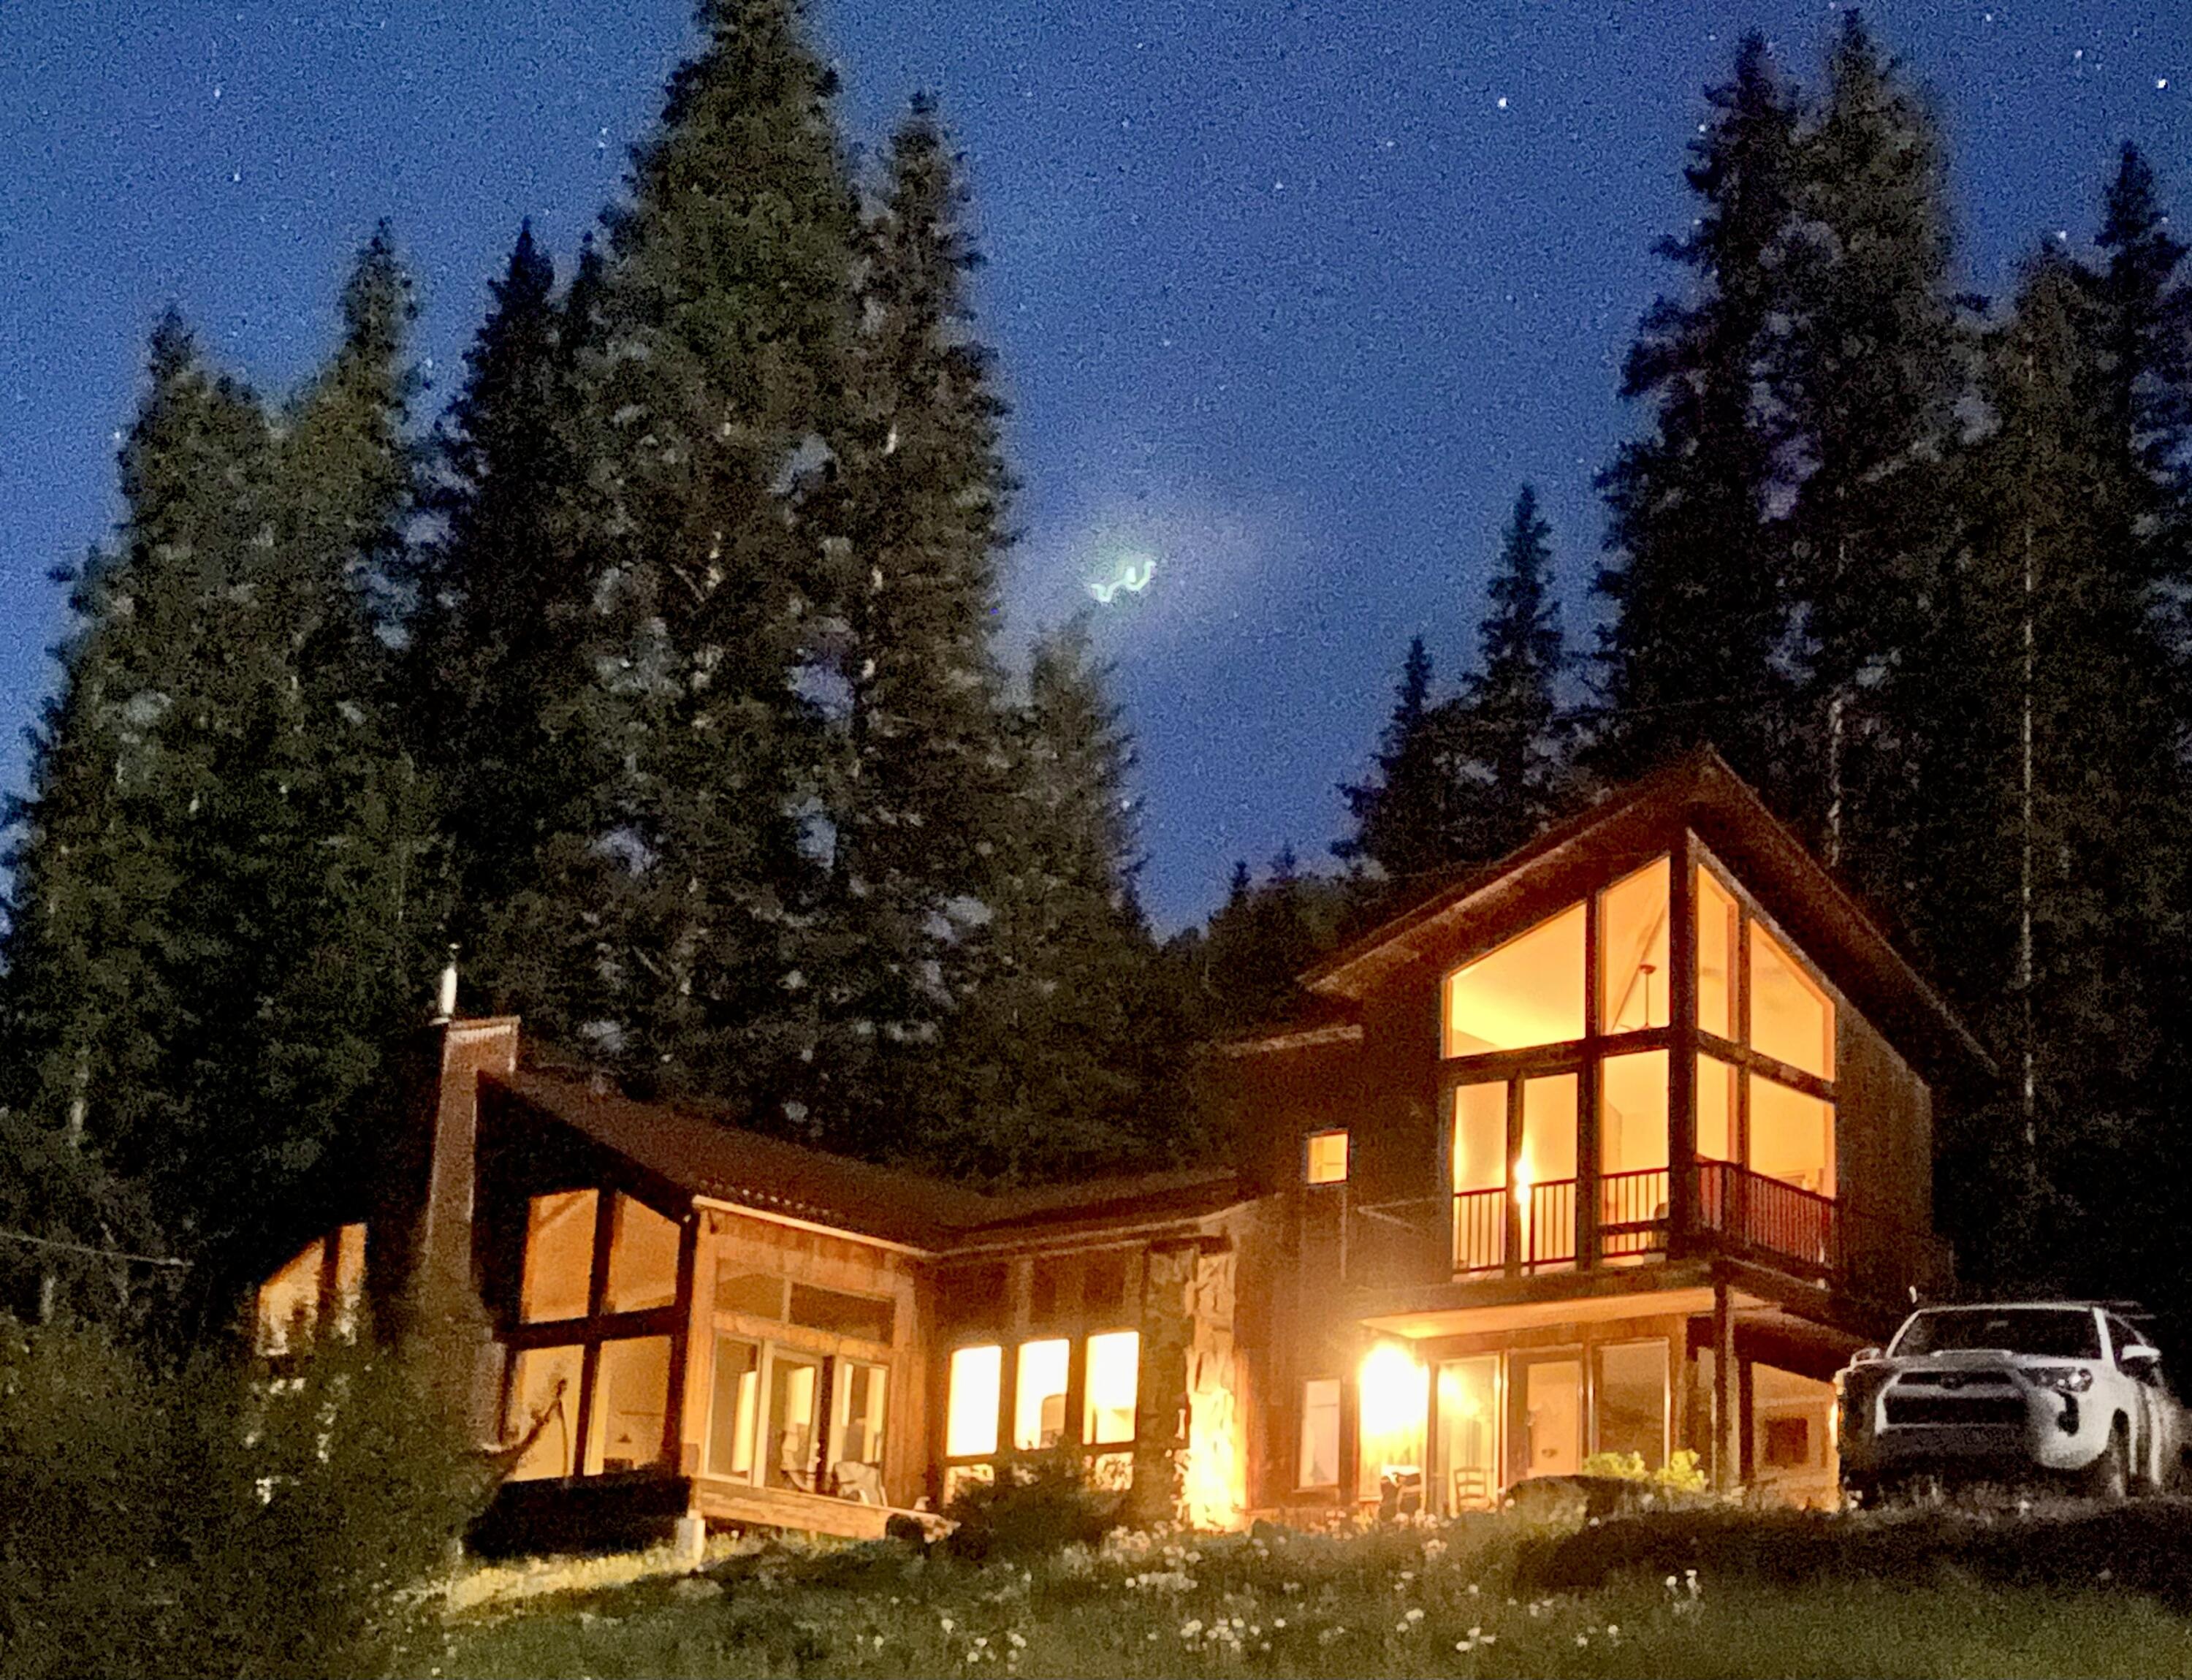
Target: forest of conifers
662	676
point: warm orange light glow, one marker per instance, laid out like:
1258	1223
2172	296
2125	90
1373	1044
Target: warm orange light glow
1115	1362
1394	1392
970	1426
1214	1479
1039	1397
1634	992
1528	991
1791	1019
1327	1157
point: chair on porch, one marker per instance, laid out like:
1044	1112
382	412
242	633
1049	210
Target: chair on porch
1472	1488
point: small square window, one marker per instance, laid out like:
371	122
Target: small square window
1327	1157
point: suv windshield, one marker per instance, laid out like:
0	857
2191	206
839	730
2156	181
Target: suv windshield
2053	1332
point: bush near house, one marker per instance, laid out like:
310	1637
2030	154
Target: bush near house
221	1516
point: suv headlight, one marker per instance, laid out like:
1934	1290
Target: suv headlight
2064	1379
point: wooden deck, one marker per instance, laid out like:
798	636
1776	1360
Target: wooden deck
720	1500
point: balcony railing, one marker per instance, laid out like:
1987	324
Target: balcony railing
1535	1229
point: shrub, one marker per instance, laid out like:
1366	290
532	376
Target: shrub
1680	1474
217	1517
1030	1509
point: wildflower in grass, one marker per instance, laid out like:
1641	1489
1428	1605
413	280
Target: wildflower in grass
1413	1617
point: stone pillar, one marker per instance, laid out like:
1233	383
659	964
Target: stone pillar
1189	1450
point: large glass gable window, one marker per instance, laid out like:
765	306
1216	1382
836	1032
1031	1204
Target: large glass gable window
1636	988
1528	992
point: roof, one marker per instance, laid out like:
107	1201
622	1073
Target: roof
707	1157
1700	792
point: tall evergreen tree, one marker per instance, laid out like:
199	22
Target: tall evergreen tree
919	502
495	665
1695	578
2054	880
219	931
667	924
1867	377
102	952
2142	297
1502	732
1405	816
1071	1048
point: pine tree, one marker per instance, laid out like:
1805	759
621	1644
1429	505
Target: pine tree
1259	942
1405	816
1070	1051
1867	377
1695	579
2142	295
104	948
2051	900
217	933
920	503
311	855
1502	733
666	926
495	666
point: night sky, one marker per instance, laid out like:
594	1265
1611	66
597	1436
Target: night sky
1289	299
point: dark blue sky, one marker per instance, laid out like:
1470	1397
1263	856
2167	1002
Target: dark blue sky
1289	297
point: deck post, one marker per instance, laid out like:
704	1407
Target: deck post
1726	1445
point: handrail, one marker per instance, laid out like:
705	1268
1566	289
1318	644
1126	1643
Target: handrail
1501	1231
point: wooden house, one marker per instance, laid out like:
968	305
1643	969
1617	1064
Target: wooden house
1621	1147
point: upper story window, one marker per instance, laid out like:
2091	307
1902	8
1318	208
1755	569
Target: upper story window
1528	991
1327	1157
1636	979
1791	1019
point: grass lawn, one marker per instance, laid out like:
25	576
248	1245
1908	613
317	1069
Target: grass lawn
1941	1596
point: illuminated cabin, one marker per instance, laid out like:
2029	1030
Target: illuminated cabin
1621	1147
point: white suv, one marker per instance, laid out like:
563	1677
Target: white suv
1995	1393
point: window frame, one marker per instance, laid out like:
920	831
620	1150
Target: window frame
596	1326
1683	1038
1346	1157
1073	1437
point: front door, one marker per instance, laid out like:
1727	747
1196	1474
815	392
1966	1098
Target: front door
1546	1419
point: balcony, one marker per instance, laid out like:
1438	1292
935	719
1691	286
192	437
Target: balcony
1535	1230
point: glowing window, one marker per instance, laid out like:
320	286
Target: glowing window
642	1259
1479	1176
1716	1110
1791	1020
1115	1362
970	1417
1039	1394
631	1397
1480	1137
1528	991
1395	1391
1468	1430
736	1415
1545	1170
1327	1157
543	1393
1632	943
793	1442
289	1301
1629	1401
1792	1136
1632	1116
1716	948
1319	1464
559	1256
856	1429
